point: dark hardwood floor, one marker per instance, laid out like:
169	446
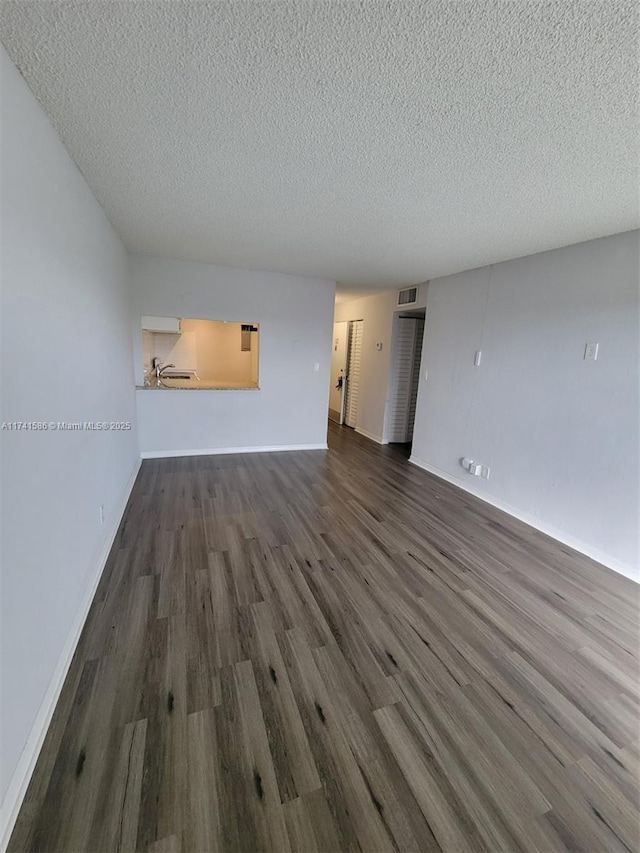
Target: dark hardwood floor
338	651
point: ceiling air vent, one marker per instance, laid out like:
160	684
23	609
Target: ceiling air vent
408	296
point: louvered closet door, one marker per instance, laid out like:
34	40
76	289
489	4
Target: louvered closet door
415	379
354	359
402	380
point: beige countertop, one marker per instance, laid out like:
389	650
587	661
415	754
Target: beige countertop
169	384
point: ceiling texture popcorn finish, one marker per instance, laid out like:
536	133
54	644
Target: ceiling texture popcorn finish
377	142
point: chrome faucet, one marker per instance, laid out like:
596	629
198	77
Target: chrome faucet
159	370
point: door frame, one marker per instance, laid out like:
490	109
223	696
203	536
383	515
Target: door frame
343	371
418	314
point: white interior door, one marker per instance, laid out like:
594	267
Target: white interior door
354	359
338	371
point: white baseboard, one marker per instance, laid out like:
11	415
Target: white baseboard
214	451
593	553
27	762
370	435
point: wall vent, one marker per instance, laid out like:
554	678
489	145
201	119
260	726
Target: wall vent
408	296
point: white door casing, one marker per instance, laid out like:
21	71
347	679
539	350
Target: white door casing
338	371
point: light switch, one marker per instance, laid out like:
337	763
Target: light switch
478	358
316	367
591	352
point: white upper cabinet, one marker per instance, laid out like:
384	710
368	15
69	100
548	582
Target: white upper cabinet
161	324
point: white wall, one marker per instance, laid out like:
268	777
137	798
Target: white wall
295	316
66	356
378	313
179	349
559	433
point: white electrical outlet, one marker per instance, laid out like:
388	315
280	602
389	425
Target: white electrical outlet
101	513
475	468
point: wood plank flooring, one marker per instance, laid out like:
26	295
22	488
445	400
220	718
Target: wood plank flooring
336	651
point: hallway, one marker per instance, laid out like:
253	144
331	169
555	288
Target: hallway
338	651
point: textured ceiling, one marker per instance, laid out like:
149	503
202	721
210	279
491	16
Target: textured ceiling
369	142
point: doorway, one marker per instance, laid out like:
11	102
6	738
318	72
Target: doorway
338	371
346	358
404	377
